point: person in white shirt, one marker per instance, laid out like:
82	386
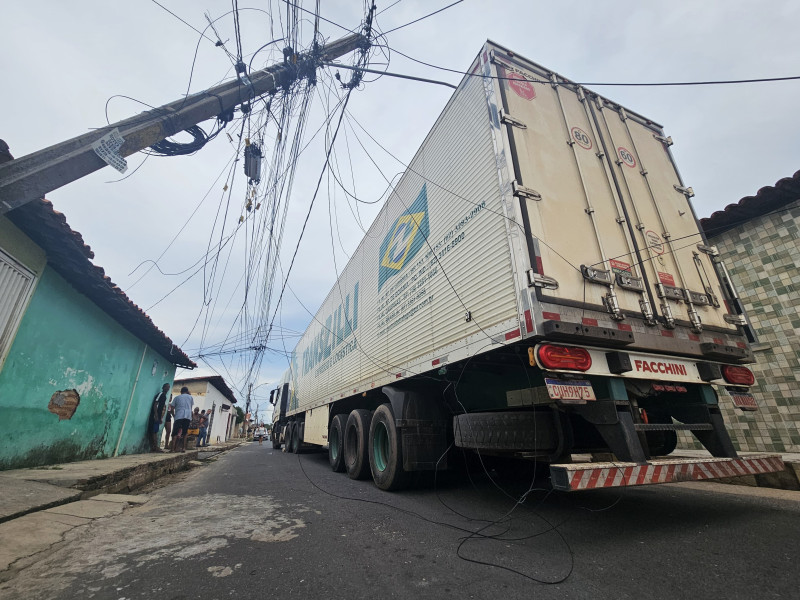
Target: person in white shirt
182	406
260	433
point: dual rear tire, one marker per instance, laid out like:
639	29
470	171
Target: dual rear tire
356	438
368	443
386	451
336	443
276	438
294	437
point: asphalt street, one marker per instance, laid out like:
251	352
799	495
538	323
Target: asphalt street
255	522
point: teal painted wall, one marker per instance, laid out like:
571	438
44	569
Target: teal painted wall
64	341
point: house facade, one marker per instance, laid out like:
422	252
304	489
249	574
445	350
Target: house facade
212	394
759	239
79	362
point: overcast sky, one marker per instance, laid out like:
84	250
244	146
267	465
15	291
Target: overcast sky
62	61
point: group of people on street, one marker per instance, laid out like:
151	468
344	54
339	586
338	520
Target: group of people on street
181	420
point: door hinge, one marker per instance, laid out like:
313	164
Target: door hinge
712	251
597	275
670	292
686	191
509	120
542	281
663	140
735	319
521	191
629	282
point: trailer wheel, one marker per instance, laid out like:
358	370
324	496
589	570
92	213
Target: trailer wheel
288	438
386	451
297	437
276	438
300	436
336	443
356	438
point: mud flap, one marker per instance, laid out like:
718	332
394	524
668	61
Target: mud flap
423	428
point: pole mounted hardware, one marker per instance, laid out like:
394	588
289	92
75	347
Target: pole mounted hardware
31	177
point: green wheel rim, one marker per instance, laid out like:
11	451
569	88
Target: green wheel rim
380	447
334	444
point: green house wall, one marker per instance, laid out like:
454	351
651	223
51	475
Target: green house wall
65	341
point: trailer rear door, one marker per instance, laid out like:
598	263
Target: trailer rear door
612	224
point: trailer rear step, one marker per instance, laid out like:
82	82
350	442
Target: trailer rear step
673	427
588	476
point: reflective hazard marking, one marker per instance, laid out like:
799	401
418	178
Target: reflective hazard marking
107	148
587	476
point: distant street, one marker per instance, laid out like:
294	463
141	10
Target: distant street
259	523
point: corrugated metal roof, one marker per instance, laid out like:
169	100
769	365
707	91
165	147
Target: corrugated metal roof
70	257
767	199
216	380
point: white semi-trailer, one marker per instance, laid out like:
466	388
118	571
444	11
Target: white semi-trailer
536	285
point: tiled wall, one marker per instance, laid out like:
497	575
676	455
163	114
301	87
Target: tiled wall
763	257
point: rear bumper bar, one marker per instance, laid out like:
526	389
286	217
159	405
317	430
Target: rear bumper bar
588	476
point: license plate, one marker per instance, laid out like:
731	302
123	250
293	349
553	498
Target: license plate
576	391
744	401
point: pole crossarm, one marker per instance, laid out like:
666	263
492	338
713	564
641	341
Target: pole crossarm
30	177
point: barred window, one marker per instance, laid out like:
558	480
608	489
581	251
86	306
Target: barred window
16	283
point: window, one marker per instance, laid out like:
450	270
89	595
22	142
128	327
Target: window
16	283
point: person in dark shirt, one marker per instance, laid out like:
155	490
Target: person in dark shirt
203	428
167	427
156	416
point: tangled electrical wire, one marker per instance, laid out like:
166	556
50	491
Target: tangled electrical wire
169	147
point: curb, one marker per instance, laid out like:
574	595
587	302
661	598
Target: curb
132	478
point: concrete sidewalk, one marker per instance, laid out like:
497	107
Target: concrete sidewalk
23	491
39	506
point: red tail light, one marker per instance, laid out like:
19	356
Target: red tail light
564	357
738	375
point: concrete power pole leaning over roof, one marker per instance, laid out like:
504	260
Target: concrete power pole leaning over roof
31	177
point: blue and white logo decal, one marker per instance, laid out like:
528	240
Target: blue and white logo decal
404	239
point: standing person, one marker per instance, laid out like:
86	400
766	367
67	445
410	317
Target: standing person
155	418
182	405
260	433
167	426
203	428
194	425
209	415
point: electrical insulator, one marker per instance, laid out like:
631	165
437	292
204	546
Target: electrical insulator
252	162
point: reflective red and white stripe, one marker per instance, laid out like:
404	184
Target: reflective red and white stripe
589	476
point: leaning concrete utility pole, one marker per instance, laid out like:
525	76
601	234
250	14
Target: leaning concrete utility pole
30	177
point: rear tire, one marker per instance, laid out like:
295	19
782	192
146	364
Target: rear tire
289	439
276	438
386	451
297	437
336	443
356	438
294	445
